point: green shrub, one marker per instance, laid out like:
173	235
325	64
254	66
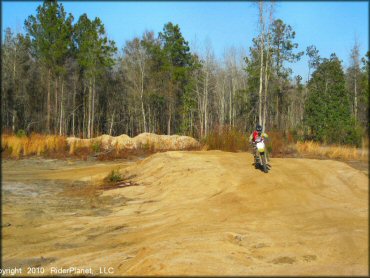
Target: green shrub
354	134
114	176
21	133
145	146
96	146
269	148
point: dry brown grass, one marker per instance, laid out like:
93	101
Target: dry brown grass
77	143
36	144
334	152
226	138
104	147
122	147
309	147
230	139
275	143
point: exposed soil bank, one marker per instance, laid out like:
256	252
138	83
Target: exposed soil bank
193	213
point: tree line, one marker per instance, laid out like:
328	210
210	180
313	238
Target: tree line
69	78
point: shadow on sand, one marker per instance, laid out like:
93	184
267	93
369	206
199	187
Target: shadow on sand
259	166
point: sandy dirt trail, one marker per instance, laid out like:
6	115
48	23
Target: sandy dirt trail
202	213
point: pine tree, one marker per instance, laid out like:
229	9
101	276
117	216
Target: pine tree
327	109
94	55
51	39
177	70
283	51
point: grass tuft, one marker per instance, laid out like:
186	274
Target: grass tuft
114	176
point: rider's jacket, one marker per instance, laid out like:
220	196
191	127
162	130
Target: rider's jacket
254	136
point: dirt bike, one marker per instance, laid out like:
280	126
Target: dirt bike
260	156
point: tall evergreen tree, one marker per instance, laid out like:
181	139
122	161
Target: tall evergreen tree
177	67
313	59
283	51
327	109
51	37
363	98
94	54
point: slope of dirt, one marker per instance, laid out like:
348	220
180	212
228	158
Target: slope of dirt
53	169
212	213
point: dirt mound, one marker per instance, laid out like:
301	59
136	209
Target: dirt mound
143	140
212	213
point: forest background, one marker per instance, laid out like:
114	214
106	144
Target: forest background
64	76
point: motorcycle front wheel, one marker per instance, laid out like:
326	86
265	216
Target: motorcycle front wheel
264	163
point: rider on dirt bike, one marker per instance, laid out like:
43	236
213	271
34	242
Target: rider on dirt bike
254	136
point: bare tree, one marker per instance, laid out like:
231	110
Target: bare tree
354	73
207	85
262	50
267	64
135	61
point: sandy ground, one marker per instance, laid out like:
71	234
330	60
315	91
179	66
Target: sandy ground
192	213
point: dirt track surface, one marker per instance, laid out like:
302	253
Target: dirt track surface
202	213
